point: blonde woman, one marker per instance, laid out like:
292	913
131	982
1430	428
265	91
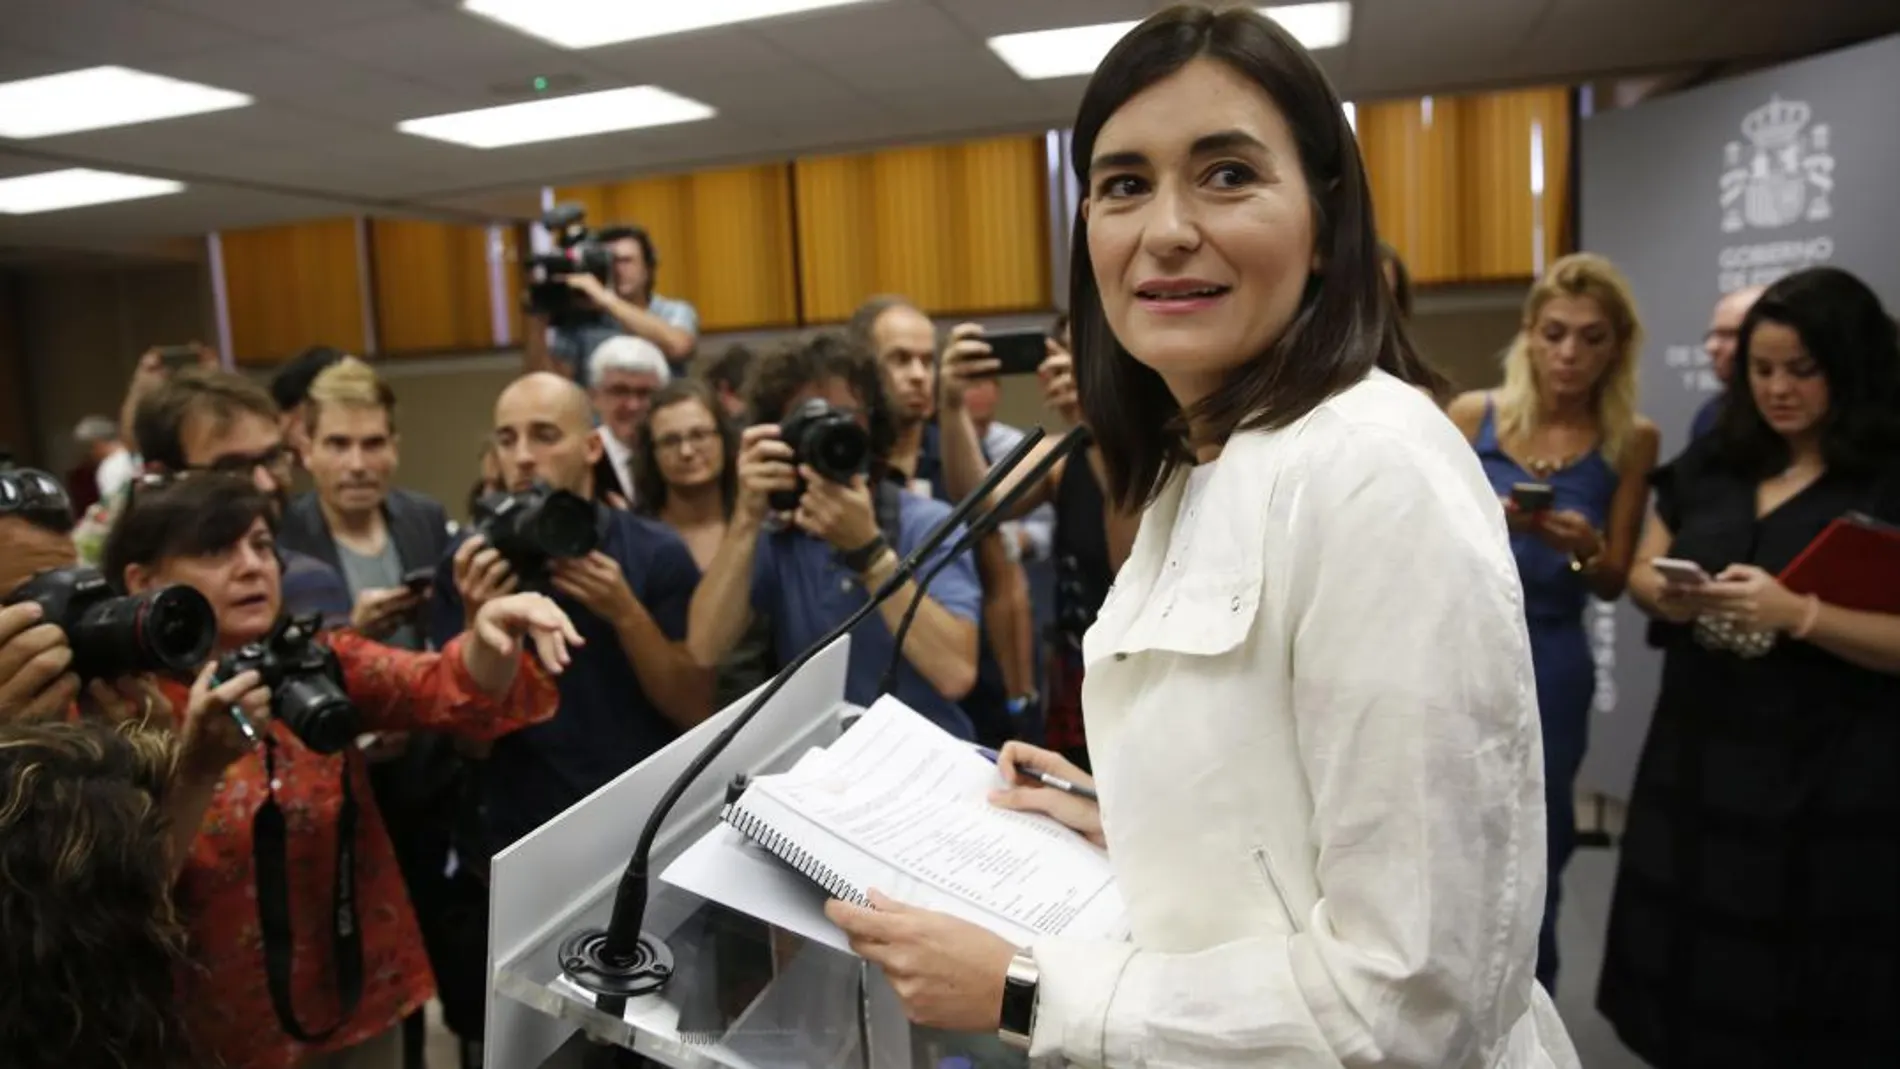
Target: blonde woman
1570	458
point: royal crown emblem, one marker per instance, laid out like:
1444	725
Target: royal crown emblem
1782	174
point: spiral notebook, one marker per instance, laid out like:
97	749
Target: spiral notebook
900	806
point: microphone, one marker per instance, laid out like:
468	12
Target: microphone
975	533
622	961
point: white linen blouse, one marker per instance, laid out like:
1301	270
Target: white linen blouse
1316	743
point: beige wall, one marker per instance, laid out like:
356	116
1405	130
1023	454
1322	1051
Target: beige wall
81	330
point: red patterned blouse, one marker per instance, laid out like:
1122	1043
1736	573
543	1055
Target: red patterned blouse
226	997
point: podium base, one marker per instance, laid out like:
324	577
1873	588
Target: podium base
584	961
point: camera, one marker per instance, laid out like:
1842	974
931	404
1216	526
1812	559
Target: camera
305	683
826	438
535	526
169	630
579	252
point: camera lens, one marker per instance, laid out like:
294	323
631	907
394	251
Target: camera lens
313	707
169	630
837	448
563	526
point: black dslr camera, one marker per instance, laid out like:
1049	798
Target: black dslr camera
578	253
170	630
305	683
538	525
827	439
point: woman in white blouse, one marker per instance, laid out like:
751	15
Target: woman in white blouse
1309	696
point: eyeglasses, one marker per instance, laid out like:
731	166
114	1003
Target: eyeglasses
36	497
698	438
275	460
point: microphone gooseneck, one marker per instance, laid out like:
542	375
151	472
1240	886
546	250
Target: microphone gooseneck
975	533
622	961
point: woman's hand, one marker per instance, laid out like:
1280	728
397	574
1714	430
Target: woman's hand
495	639
1516	520
1027	795
948	972
211	738
1754	599
1569	532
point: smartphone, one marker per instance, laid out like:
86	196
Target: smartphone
1532	497
178	357
1018	352
1680	572
419	581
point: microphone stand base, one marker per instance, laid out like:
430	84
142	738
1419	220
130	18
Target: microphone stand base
584	961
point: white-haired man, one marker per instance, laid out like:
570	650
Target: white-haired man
626	372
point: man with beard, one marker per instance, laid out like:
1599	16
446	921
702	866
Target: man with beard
207	420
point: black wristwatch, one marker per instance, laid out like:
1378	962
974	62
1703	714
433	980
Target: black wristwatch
860	558
1020	986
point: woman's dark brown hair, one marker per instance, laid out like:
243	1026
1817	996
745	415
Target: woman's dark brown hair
649	486
192	516
89	941
1344	327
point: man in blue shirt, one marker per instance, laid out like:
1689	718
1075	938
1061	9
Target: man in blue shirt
810	568
628	306
1724	336
632	688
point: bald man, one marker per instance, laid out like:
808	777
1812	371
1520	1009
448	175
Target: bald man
632	688
1723	338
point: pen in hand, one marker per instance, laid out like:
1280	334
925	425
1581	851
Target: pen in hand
1044	778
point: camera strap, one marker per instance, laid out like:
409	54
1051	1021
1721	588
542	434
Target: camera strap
268	852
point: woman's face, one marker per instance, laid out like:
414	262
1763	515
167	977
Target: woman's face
686	444
1200	225
1789	387
1572	344
242	583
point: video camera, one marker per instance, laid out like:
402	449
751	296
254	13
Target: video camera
826	438
579	253
535	526
305	683
170	630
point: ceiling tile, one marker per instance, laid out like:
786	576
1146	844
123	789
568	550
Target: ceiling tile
289	18
840	37
112	31
281	73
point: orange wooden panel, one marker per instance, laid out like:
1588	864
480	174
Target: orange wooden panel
724	239
1510	230
432	286
956	228
289	287
1414	168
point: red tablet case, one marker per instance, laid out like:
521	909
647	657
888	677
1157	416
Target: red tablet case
1854	563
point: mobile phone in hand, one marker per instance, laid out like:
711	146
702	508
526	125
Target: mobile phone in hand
177	357
419	581
1533	497
1018	352
1680	572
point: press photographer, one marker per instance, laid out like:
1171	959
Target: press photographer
626	582
594	287
817	524
302	936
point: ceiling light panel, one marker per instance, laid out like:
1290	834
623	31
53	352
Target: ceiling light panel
98	98
559	118
592	23
1078	50
77	187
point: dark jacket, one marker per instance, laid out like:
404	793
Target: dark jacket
418	524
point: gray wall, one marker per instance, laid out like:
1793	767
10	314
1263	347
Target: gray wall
1706	191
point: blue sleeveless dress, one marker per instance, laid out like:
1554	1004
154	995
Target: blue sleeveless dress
1555	598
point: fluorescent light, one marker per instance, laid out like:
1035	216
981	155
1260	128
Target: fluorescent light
77	187
592	23
1077	50
100	97
557	118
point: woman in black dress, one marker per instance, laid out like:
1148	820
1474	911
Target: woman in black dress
1756	919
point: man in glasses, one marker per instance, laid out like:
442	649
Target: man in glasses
208	420
629	307
628	371
1725	326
